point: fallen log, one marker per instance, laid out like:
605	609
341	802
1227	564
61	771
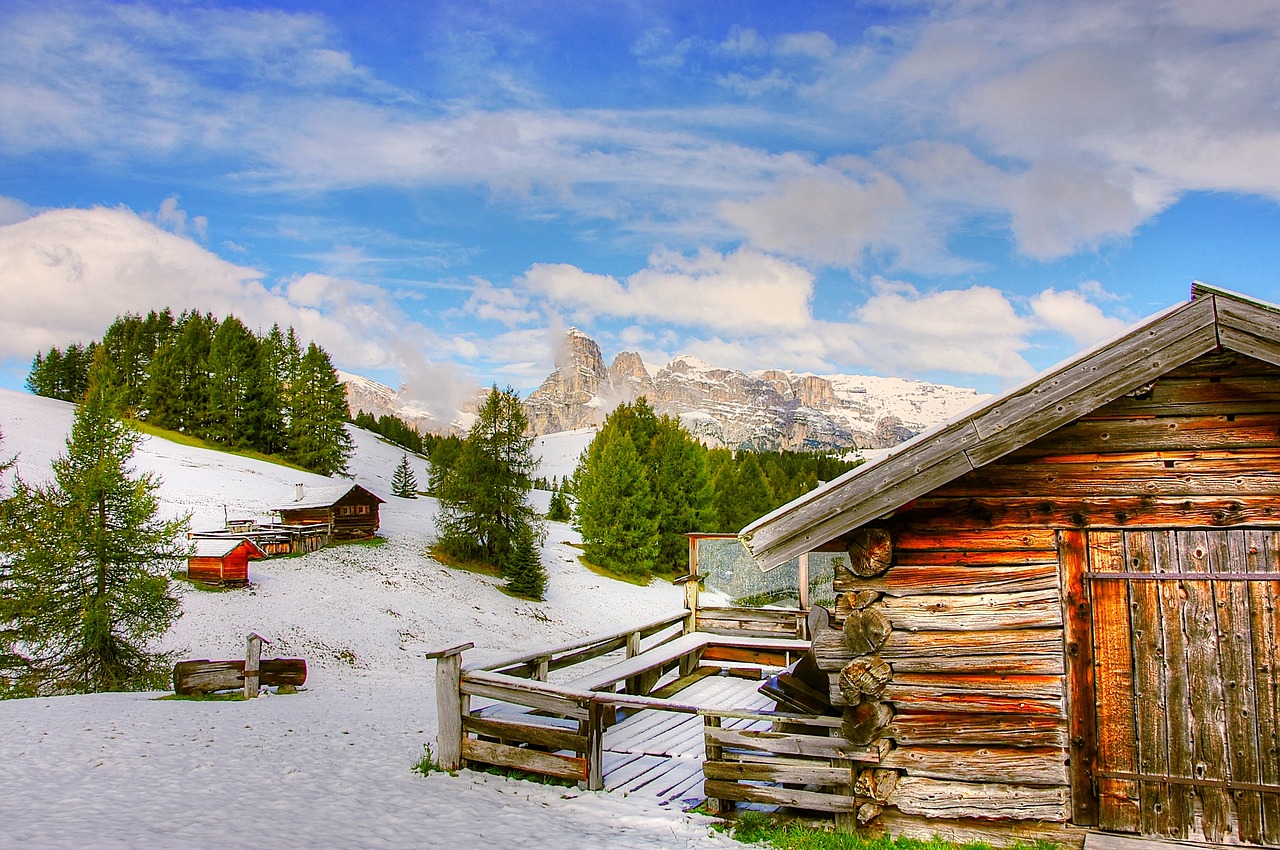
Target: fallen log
206	677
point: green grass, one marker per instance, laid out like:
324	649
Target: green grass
759	828
478	567
181	575
188	440
639	581
228	696
428	765
373	542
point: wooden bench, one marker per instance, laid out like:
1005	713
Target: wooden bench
642	671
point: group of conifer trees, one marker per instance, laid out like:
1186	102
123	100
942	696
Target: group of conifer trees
217	380
644	483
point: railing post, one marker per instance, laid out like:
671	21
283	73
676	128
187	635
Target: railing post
713	752
449	705
595	746
691	588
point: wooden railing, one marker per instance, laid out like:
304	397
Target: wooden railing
782	765
557	728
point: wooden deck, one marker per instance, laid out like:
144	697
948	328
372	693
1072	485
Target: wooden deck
660	753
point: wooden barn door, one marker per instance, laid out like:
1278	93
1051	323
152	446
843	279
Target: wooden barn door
1182	627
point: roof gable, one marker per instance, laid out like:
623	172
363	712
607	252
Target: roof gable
328	495
206	547
1212	319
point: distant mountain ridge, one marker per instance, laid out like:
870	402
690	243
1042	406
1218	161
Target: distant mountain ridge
762	410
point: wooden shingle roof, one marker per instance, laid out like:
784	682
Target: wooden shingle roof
1213	319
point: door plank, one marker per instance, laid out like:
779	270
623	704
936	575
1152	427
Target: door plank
1150	697
1081	702
1181	798
1262	553
1208	732
1236	659
1113	661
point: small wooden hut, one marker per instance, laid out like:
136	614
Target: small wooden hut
1062	609
222	561
350	510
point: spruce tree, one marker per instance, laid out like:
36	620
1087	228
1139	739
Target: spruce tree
524	571
86	557
682	492
235	378
558	510
615	508
317	434
484	494
403	482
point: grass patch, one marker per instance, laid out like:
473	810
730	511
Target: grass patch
188	440
179	575
753	827
478	567
525	776
371	542
639	581
428	765
226	696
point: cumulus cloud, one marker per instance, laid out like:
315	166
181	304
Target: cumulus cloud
1073	314
741	289
12	210
66	274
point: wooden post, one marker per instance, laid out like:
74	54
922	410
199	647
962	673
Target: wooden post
595	746
714	752
633	644
541	668
691	588
804	583
252	656
449	705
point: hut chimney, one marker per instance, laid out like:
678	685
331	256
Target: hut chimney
297	492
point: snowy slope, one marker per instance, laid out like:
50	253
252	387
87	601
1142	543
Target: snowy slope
329	767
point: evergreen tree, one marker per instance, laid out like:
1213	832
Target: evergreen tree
681	489
85	589
236	375
558	510
403	482
317	435
484	495
525	574
615	508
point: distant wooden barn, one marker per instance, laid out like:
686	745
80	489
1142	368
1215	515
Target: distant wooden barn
350	510
222	561
1062	613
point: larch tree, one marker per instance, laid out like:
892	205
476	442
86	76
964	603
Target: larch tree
86	559
484	493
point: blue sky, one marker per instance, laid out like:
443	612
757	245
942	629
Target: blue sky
964	192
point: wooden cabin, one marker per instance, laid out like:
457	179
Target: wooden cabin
350	510
1061	612
223	561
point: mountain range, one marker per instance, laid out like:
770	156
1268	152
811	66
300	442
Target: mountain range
761	410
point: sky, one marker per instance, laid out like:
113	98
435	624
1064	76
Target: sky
965	192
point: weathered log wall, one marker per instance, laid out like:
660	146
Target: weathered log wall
948	638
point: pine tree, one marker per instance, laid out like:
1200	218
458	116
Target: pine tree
615	508
235	378
86	590
317	435
525	574
484	495
403	482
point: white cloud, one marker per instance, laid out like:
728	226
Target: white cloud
1073	314
13	210
707	289
66	274
173	218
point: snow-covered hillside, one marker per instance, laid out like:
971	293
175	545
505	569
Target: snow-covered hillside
329	767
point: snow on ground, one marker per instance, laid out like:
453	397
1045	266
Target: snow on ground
330	766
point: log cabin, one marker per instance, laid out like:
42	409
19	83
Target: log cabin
222	561
1061	609
350	510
